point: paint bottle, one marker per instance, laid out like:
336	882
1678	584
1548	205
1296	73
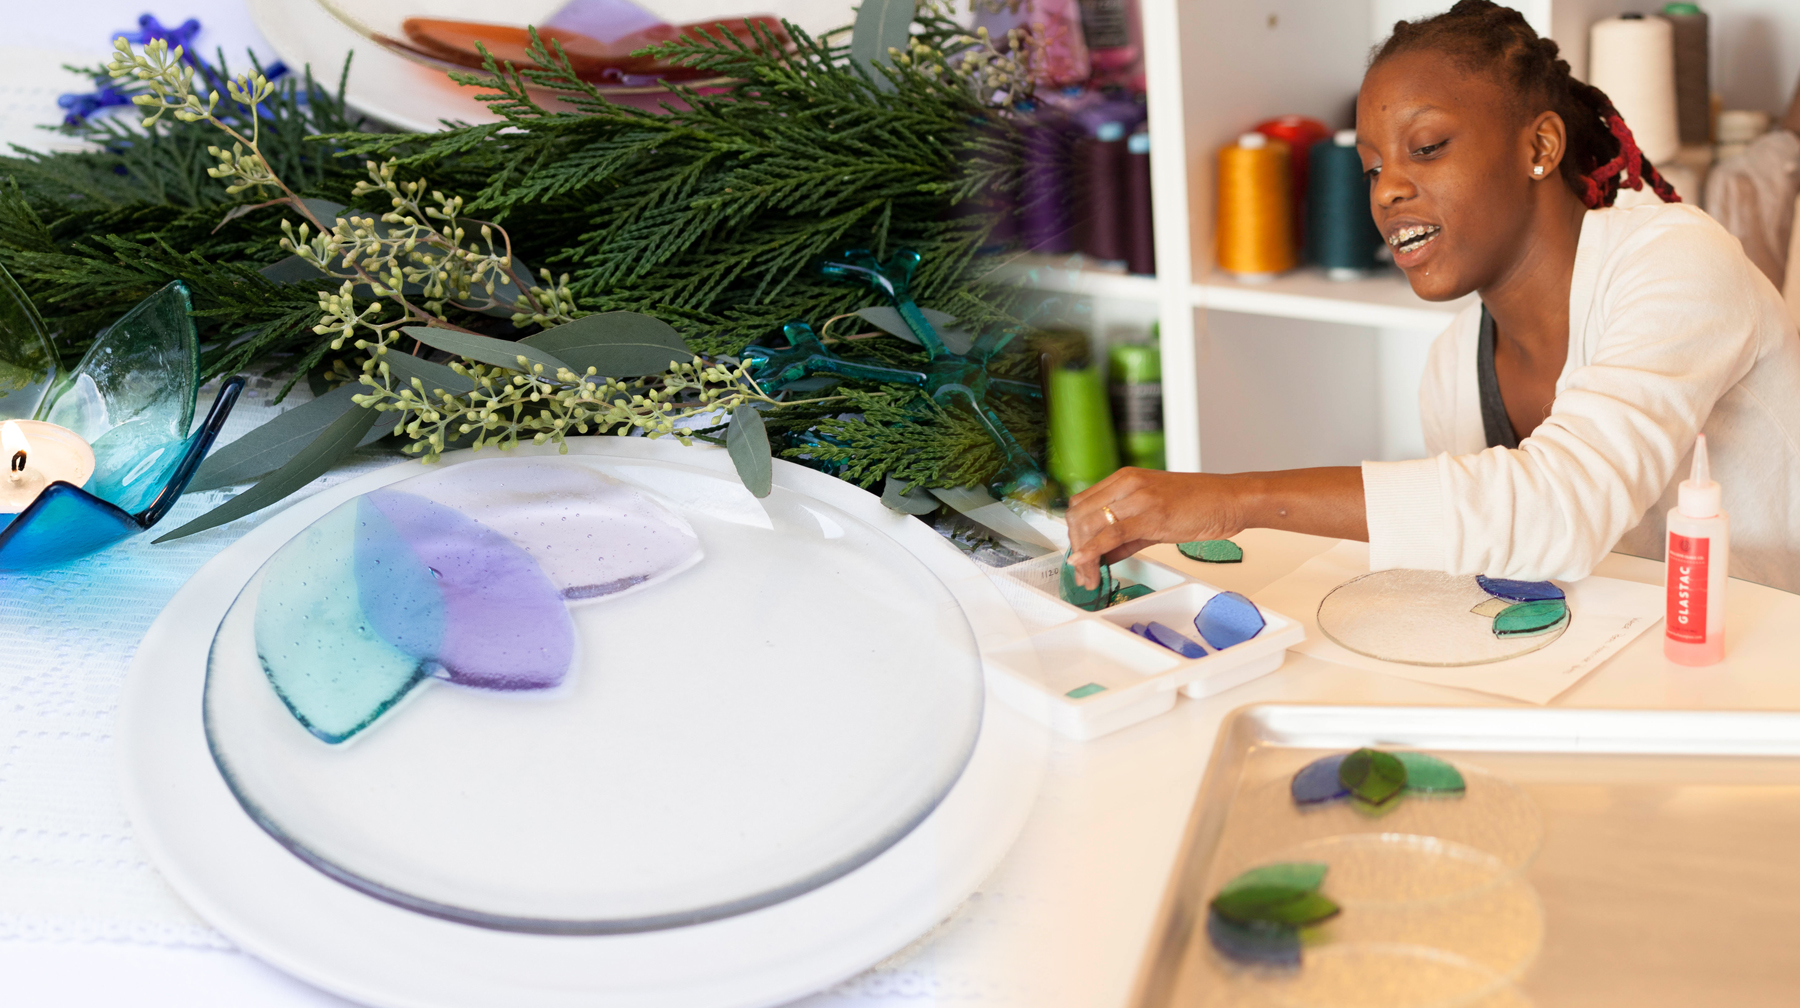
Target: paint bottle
1698	556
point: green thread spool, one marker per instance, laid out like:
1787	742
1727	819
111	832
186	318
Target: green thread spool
1340	231
1082	451
1137	403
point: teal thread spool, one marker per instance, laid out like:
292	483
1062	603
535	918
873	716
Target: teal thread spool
1340	231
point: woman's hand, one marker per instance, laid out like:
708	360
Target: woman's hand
1149	507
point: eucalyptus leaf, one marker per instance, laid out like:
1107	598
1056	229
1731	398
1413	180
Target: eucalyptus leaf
748	442
270	446
336	441
881	25
293	269
902	496
434	376
486	349
617	344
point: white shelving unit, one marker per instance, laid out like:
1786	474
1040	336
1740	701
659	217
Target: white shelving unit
1303	370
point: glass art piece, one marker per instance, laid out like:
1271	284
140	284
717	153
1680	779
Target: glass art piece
1526	619
1212	551
1256	917
1318	781
132	398
591	694
1373	777
1093	599
1417	617
1085	691
1491	607
1174	640
1227	619
1519	591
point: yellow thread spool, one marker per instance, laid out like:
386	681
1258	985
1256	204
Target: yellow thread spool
1255	219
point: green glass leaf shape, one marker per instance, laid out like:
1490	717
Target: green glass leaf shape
1429	774
899	495
1212	551
1529	618
1306	875
1092	599
269	447
880	25
617	344
1275	905
1129	592
1089	690
434	376
337	441
142	374
1372	775
747	439
27	360
486	349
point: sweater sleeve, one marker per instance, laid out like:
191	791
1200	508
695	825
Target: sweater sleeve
1672	327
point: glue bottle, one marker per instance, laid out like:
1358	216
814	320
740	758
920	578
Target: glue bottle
1698	556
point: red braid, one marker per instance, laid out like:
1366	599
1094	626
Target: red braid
1600	187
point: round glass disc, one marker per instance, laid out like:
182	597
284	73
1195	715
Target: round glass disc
1420	617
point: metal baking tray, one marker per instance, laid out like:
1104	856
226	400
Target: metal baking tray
1669	865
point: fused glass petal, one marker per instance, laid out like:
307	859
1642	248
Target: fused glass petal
1227	619
1318	781
1276	905
1303	875
1179	643
64	523
1372	775
1490	607
1212	551
27	360
1518	591
1085	691
503	623
1092	599
1129	592
1525	619
1254	944
331	667
144	368
1429	774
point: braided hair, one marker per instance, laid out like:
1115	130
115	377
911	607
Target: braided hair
1602	156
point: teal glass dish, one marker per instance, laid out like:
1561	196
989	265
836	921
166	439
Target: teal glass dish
132	398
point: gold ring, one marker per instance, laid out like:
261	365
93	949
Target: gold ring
1111	519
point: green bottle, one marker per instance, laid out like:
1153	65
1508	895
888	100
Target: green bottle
1082	451
1137	403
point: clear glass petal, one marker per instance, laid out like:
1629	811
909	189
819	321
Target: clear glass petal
27	360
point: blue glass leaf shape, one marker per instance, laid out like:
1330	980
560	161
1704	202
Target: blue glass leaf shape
1318	781
27	359
1518	591
1227	619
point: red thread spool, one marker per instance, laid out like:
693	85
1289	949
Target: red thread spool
1299	133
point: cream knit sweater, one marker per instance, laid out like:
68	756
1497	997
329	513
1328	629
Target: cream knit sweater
1672	330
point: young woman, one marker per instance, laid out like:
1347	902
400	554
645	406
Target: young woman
1561	410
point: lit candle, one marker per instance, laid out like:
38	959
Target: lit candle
36	454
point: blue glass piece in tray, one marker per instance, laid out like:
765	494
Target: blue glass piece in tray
1318	781
66	523
1174	640
27	359
1253	943
504	625
1518	591
1141	629
331	667
1227	619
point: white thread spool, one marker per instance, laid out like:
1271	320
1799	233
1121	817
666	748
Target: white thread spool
1632	59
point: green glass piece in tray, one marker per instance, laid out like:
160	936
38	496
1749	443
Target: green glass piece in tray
1092	599
1081	692
1372	775
1129	592
1277	894
1297	874
27	362
1430	775
1212	551
1529	618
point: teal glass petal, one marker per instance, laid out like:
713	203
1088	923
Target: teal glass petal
1430	774
1527	619
27	360
134	390
331	667
1092	599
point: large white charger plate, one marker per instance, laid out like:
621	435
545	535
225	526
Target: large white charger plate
277	907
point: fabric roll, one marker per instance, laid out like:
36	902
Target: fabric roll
1752	194
1632	59
1693	76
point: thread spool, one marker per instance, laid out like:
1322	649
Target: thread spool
1140	232
1082	450
1046	204
1693	72
1737	127
1255	229
1299	133
1343	235
1632	59
1100	164
1137	403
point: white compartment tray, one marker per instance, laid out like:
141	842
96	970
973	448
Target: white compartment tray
1068	651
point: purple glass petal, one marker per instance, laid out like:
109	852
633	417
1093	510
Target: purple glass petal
1174	640
1140	629
1228	618
505	626
1518	591
1256	944
1318	781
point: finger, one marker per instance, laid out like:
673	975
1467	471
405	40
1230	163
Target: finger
1109	487
1087	517
1104	541
1091	523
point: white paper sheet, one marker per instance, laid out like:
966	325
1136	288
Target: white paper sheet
1608	614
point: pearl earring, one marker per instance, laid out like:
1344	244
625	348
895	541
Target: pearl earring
1537	170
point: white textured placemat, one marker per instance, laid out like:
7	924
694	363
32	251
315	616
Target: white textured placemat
1607	615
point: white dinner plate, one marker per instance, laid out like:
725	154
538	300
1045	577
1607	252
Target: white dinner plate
273	904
